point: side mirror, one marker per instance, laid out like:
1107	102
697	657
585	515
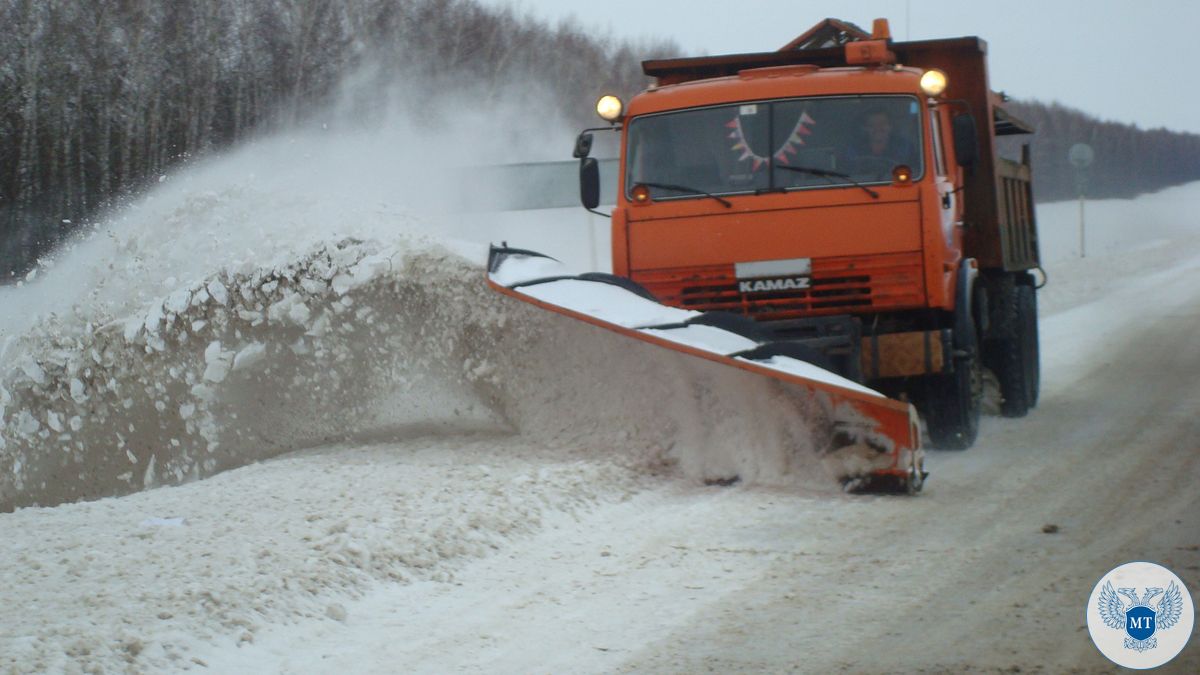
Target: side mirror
966	140
589	182
583	145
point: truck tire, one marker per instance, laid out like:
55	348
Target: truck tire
952	403
1019	368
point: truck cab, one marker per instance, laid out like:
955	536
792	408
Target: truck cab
843	193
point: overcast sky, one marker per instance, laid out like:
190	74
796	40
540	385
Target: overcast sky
1125	61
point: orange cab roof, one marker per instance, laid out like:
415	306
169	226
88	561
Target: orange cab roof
780	82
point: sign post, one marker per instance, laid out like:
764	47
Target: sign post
1081	155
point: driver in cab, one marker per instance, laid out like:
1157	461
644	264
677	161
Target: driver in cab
881	146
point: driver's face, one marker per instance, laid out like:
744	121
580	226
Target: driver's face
878	129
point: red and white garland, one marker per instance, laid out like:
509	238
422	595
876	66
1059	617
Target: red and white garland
781	155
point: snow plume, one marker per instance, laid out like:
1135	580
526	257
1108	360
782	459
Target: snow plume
360	340
299	291
402	164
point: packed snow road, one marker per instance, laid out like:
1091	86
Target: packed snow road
988	571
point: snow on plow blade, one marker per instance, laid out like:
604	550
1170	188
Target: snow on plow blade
876	438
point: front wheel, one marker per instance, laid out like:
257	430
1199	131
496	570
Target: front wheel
953	402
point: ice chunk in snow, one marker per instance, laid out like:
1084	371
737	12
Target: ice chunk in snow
154	317
200	297
178	302
319	327
290	309
218	292
370	267
342	283
148	477
253	317
54	421
78	394
313	286
131	329
218	362
27	424
33	371
249	355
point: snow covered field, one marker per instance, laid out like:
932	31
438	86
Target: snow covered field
476	486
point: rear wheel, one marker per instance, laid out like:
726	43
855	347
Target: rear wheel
1019	369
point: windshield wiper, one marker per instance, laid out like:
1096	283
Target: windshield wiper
684	188
828	175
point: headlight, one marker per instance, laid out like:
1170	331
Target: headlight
610	108
933	82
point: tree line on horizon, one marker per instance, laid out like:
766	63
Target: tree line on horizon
99	98
1128	161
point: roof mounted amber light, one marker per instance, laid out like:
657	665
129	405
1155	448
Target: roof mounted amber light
869	53
874	50
640	194
902	175
880	30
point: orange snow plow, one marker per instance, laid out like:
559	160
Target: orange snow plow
878	439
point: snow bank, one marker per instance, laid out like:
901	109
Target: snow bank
137	584
357	340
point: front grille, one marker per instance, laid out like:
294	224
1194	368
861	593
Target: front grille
838	285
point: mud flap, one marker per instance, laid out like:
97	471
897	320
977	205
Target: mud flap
874	442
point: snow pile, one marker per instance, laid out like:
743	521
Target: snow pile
357	340
135	584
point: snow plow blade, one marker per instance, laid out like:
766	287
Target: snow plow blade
879	438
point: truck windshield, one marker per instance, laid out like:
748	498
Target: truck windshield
738	149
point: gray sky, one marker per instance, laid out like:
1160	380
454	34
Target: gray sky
1052	50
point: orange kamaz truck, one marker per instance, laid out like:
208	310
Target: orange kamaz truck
846	194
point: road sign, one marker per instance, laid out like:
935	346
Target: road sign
1081	155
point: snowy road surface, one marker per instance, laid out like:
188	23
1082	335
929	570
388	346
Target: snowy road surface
961	579
487	490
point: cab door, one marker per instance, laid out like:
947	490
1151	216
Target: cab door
949	202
